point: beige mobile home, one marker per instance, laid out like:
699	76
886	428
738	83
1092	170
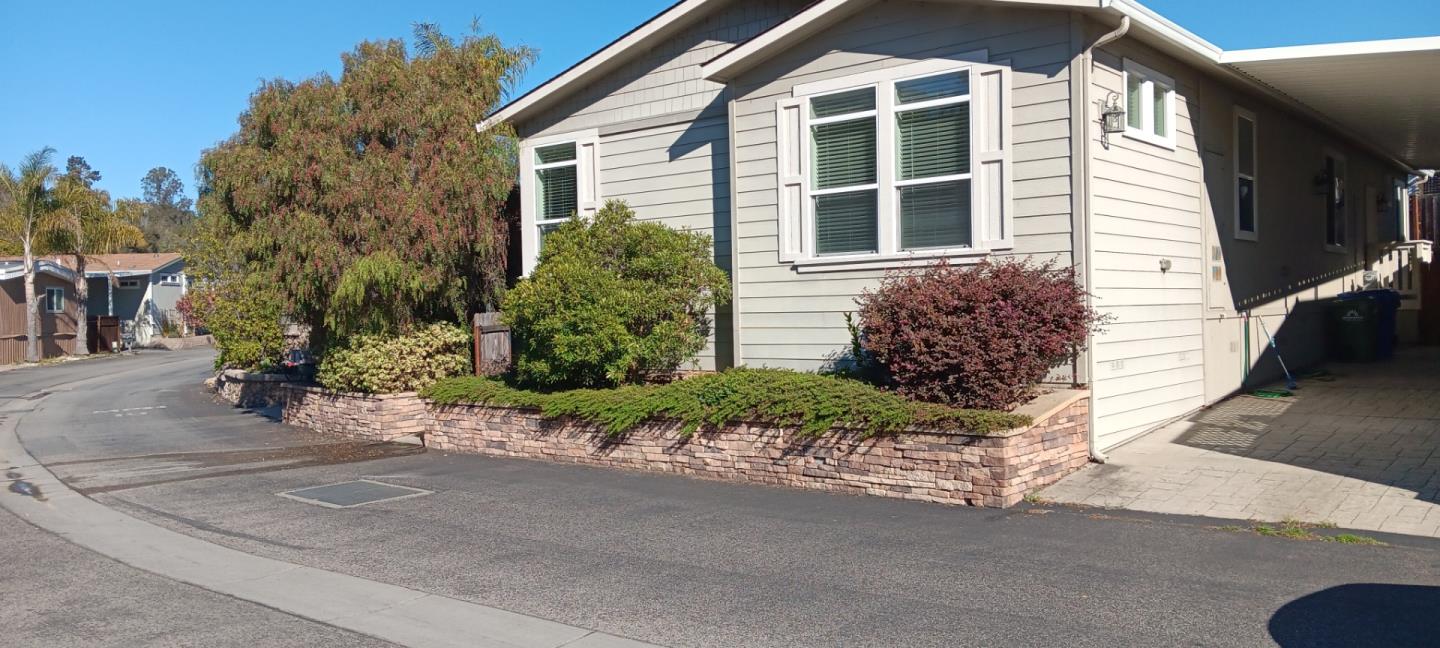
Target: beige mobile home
1199	191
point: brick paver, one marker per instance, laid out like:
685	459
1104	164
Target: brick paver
1359	447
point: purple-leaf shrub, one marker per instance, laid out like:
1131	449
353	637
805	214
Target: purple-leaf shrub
978	336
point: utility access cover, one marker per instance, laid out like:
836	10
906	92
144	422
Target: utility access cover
352	493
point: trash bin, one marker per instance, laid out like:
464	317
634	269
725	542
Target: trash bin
1387	309
1363	325
1353	328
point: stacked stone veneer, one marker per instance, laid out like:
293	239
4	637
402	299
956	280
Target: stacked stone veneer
377	417
935	466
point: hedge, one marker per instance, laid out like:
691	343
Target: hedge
809	403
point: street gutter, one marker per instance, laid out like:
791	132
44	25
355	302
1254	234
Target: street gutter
401	615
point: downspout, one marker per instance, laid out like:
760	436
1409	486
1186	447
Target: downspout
1086	194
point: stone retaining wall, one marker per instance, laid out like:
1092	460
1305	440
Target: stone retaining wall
993	470
935	467
383	417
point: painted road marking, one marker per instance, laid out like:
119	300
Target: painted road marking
119	412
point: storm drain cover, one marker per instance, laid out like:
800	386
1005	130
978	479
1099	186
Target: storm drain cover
353	493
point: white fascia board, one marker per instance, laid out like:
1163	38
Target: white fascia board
595	63
1148	20
1328	50
818	16
813	18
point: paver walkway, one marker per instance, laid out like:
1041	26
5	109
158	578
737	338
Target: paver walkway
1359	447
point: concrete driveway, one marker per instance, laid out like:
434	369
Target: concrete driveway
1359	447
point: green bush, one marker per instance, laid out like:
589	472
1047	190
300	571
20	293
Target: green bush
245	319
809	403
380	364
613	301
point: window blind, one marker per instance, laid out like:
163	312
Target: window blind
845	223
556	191
935	215
934	141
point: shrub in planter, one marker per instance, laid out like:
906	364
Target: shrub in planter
974	336
613	301
381	364
245	319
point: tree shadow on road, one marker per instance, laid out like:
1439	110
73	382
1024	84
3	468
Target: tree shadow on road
1360	614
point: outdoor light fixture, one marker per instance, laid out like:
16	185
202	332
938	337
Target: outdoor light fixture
1112	114
1165	265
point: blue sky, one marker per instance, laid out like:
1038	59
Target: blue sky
133	85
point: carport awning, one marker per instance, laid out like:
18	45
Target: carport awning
1385	92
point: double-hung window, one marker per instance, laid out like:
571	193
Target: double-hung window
557	188
54	300
1246	174
845	193
558	180
894	165
1149	105
932	127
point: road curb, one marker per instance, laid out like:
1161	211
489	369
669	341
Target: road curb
397	614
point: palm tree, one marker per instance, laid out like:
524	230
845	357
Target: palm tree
26	204
85	224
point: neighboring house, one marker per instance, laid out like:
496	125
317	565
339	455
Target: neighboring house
823	143
140	289
55	290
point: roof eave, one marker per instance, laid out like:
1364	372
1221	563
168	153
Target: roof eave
607	58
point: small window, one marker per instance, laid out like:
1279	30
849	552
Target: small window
54	300
557	195
1149	105
128	283
1334	187
170	279
1246	176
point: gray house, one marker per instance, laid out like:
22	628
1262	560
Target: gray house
139	288
1206	196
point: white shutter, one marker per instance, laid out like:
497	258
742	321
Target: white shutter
990	98
790	163
587	153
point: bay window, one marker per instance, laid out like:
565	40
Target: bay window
910	162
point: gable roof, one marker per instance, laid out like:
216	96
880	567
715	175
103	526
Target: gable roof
11	270
1367	91
1378	93
620	50
123	264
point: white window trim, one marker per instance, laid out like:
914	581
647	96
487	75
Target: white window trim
49	308
1344	213
800	249
170	279
587	186
1149	78
1253	177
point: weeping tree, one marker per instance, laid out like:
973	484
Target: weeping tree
370	202
27	205
85	223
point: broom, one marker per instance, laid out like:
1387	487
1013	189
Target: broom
1289	379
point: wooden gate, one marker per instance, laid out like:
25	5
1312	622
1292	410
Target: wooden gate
103	333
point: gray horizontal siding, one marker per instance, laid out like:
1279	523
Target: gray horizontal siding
796	320
1147	206
667	79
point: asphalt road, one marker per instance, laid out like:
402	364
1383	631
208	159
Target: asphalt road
671	560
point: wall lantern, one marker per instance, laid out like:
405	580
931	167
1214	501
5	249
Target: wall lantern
1113	114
